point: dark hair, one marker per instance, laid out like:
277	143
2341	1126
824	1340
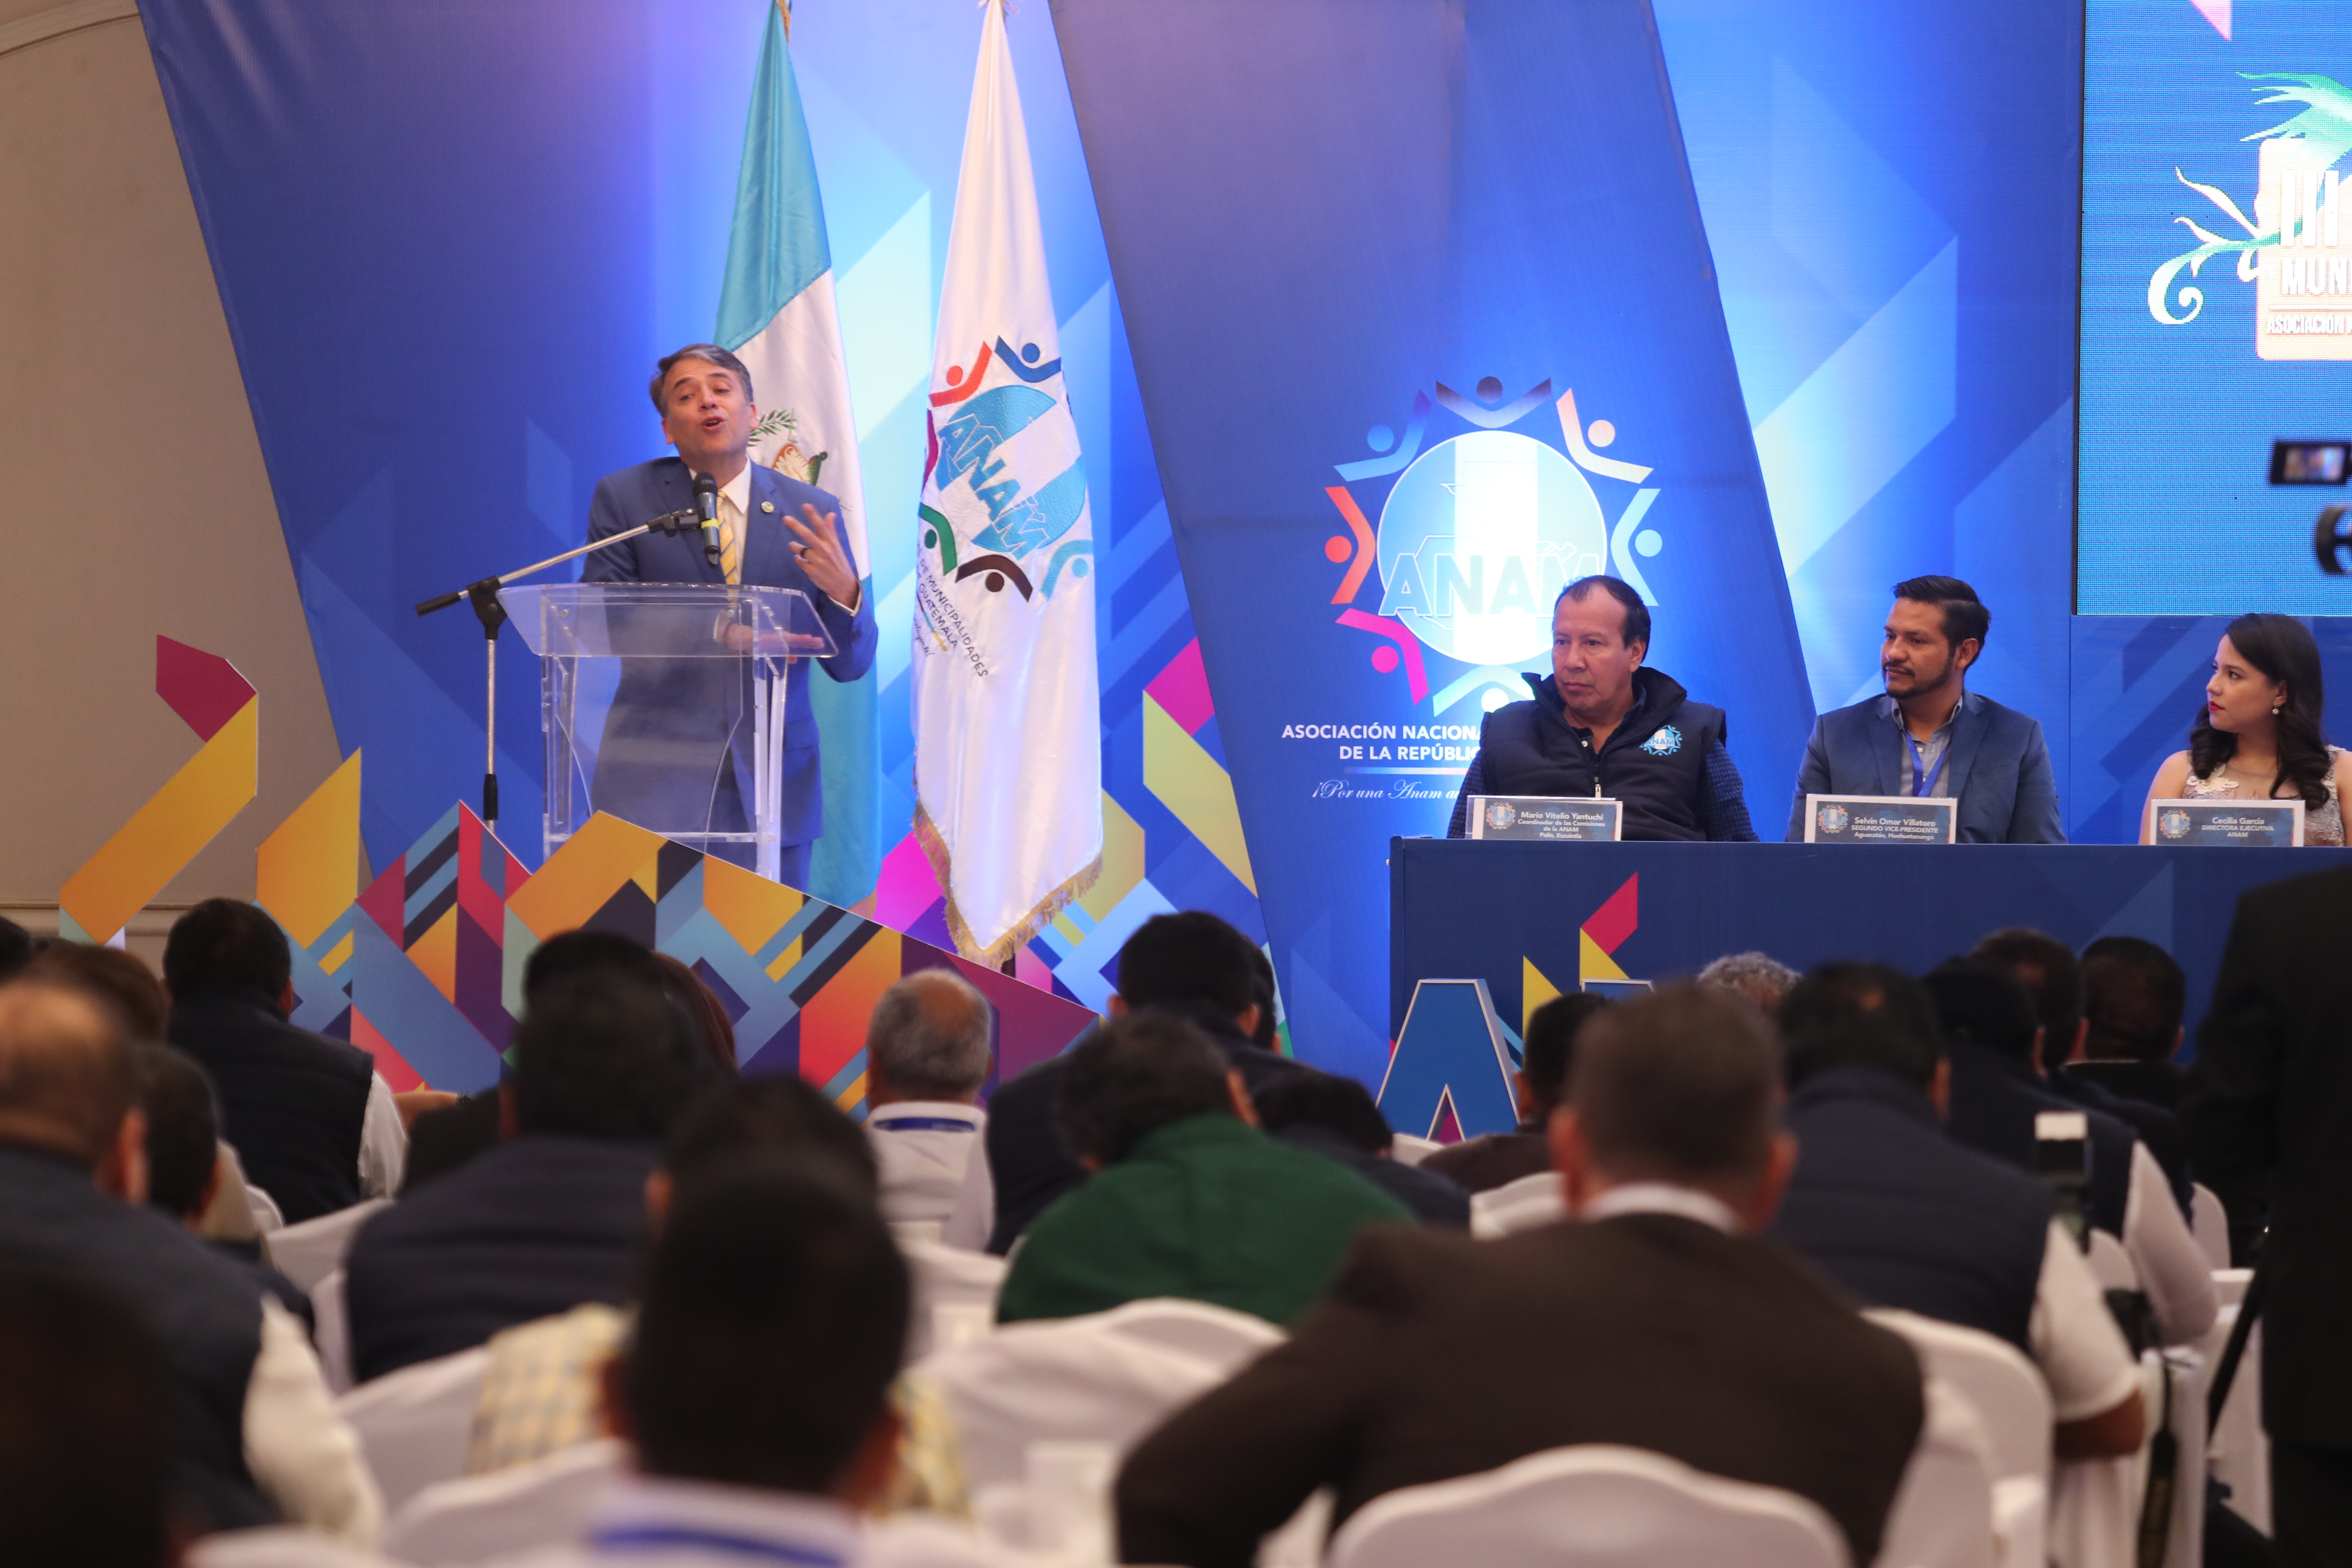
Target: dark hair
118	977
87	1423
1191	956
1856	1014
2053	978
1551	1044
183	1127
709	354
2134	995
2282	648
773	1323
1267	1034
1132	1077
1314	1099
712	1027
1965	615
1981	1002
1637	614
16	946
1680	1085
66	1078
590	952
775	1113
602	1056
223	942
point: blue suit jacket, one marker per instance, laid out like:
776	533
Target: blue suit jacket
666	713
1999	767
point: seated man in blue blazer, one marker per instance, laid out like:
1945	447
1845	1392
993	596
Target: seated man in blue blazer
677	751
1928	735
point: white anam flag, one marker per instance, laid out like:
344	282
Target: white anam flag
1008	733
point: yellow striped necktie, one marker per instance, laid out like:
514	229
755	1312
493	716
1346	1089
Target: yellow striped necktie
731	544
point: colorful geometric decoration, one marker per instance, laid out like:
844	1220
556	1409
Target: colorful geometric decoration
1450	1075
306	872
1598	940
162	836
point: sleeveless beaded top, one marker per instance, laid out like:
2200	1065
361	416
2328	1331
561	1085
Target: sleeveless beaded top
2324	826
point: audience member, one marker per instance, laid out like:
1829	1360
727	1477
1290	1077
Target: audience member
543	1388
1993	1043
442	1140
1188	1199
928	1053
118	977
756	1388
1496	1159
313	1121
1650	1320
1762	979
551	1216
712	1027
2269	1096
1336	1118
1190	964
17	945
86	1409
1901	1215
254	1419
2054	978
2134	998
186	1163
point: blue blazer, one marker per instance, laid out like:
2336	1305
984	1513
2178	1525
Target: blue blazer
664	717
1999	768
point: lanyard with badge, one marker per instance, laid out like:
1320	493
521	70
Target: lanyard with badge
1922	779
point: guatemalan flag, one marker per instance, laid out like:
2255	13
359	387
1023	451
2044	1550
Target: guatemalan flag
776	312
1008	731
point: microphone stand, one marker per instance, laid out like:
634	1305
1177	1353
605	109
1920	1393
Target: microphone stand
484	596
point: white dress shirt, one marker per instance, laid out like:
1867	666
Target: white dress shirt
652	1521
383	1143
973	1219
2173	1267
304	1457
924	1150
1662	1197
2074	1337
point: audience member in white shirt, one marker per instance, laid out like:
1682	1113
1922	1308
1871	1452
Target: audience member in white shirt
927	1056
755	1389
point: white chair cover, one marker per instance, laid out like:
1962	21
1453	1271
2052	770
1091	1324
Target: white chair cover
476	1517
1408	1150
2239	1450
2010	1400
1590	1507
946	1277
1218	1335
1518	1205
280	1546
2110	1264
1076	1379
332	1335
2209	1222
309	1252
1943	1514
414	1424
2095	1504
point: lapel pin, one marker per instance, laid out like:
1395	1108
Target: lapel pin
767	506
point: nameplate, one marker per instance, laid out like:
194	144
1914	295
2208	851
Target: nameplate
1880	819
2249	824
1559	818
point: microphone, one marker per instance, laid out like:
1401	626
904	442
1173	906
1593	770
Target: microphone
706	506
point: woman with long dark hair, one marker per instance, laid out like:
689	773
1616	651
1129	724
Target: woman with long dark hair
2259	736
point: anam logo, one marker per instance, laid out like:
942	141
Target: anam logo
1478	535
2296	251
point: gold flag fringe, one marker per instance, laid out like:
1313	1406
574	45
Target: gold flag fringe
999	953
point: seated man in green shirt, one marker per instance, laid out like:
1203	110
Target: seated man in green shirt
1187	1198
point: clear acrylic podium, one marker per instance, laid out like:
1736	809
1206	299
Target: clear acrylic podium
665	703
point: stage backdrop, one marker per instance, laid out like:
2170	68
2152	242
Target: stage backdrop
1426	326
452	240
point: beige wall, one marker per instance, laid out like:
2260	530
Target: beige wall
133	495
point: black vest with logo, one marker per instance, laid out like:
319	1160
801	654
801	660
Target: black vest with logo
293	1103
1655	761
1885	1203
206	1314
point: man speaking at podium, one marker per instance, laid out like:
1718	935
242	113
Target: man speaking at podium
1600	724
677	750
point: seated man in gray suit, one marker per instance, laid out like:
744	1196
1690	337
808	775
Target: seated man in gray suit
1928	735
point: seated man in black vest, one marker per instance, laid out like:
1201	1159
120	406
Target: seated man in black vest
313	1122
1652	1320
1886	1205
552	1216
1600	724
256	1436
